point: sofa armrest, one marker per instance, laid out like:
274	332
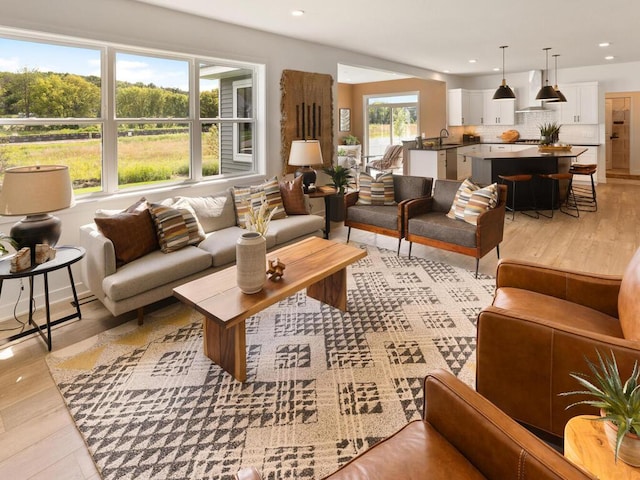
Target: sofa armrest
100	259
495	444
599	292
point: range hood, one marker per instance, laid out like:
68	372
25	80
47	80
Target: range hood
533	87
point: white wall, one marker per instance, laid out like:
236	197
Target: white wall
141	25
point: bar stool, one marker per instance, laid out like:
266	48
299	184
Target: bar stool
585	196
514	180
555	185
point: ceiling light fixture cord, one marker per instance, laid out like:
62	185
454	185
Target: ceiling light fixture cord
561	97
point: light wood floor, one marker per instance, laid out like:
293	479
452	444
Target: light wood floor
38	439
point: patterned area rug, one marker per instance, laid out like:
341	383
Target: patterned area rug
323	385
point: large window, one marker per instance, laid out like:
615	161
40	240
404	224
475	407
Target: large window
390	119
123	119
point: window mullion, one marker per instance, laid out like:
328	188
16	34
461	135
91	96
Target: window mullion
110	135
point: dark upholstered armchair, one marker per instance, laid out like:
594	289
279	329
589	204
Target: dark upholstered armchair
542	324
461	435
426	222
386	219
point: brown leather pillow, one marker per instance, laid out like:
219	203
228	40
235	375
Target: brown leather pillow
132	234
293	197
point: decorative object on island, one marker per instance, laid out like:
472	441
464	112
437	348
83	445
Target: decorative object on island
251	262
549	133
305	154
275	270
35	191
503	92
619	404
547	92
561	97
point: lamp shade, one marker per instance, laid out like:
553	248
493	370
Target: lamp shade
35	190
305	153
504	91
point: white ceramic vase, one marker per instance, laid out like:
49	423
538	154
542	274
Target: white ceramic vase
251	262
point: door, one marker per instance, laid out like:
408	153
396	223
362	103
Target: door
620	133
390	120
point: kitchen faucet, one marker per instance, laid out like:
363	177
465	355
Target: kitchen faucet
443	135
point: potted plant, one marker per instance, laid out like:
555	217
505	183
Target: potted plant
350	140
340	178
619	404
549	133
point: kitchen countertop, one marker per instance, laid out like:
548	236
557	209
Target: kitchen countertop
530	153
446	146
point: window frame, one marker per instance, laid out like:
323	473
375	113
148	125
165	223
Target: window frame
237	156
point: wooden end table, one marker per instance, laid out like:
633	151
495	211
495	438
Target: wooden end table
316	264
326	193
586	445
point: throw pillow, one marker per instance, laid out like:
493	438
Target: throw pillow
378	191
176	227
466	188
136	207
133	234
213	212
479	202
245	198
274	198
293	197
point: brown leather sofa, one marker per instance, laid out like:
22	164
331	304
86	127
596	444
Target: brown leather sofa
461	436
542	324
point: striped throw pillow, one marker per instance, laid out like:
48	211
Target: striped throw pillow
378	191
176	227
480	201
466	188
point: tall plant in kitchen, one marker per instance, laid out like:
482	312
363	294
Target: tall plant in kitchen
549	133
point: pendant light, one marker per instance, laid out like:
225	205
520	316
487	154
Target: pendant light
547	92
503	92
561	97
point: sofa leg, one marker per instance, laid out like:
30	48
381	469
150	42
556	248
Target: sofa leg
140	315
348	234
410	245
399	243
498	251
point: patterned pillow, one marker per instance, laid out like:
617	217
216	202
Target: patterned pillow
378	191
176	227
480	201
461	199
274	198
268	191
132	234
293	197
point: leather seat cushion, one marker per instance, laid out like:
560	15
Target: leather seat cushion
551	311
378	215
437	226
417	451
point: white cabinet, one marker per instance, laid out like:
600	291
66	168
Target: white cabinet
427	163
464	155
581	106
500	147
465	107
498	112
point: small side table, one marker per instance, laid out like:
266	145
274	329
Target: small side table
65	257
325	192
586	445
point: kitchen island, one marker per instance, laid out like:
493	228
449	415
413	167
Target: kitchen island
487	167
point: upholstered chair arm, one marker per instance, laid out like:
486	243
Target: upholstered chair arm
417	206
490	228
350	199
100	258
599	292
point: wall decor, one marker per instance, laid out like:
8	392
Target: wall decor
345	119
306	112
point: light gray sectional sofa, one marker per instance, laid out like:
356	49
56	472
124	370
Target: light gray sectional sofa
152	277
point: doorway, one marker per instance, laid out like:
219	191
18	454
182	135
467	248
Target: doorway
618	135
389	120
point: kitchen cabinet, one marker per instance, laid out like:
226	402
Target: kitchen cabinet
500	147
498	112
588	157
463	157
465	107
427	163
581	106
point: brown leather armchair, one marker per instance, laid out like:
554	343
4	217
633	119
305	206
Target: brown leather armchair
461	435
542	324
386	219
426	222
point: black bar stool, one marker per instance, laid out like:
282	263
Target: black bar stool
555	185
585	195
514	180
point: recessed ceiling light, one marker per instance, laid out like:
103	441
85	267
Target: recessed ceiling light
446	71
609	57
604	44
473	60
297	13
496	69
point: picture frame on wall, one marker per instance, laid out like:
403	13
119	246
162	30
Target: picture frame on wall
345	119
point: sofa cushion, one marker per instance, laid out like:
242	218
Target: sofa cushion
153	270
287	229
221	245
293	197
479	202
461	199
380	216
214	212
132	234
376	191
176	227
437	226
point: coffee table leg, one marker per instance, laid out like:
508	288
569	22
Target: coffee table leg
332	290
227	347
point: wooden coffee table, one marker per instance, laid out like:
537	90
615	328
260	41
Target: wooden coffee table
316	264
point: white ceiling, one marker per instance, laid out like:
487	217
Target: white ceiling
445	35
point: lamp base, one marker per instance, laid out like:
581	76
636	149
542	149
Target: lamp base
34	229
308	176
